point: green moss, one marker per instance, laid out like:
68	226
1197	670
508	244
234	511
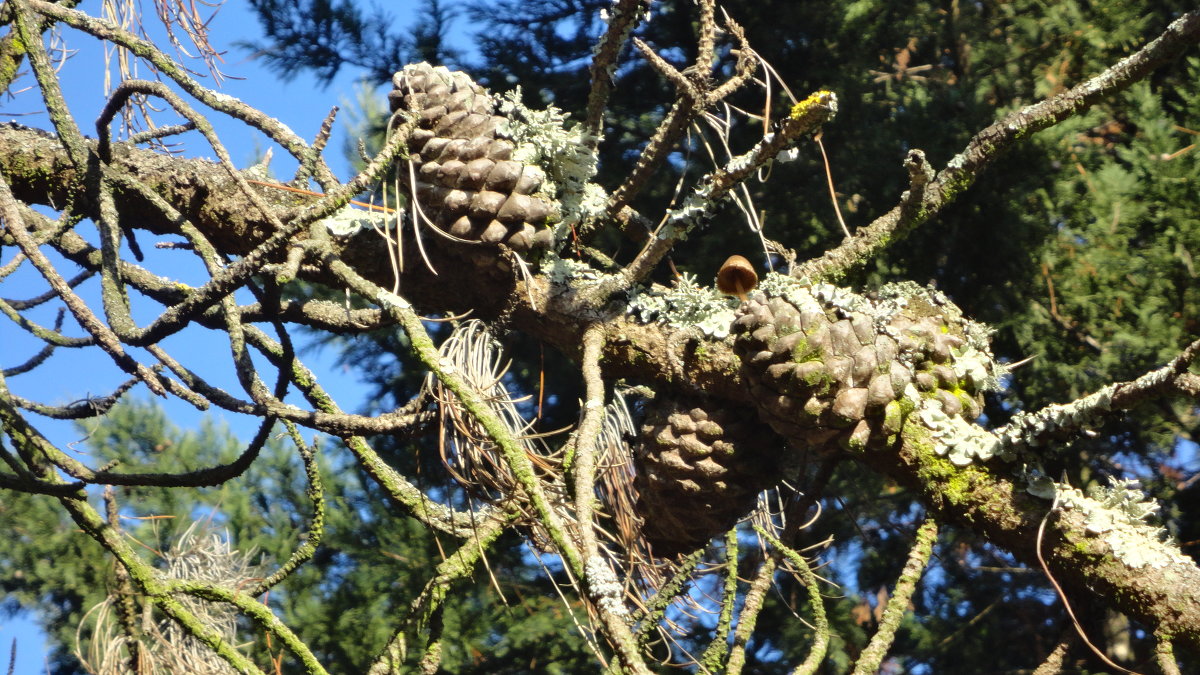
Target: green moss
893	416
952	484
960	485
958	181
966	398
804	351
818	379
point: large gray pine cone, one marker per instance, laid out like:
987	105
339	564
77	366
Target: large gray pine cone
699	470
831	370
465	177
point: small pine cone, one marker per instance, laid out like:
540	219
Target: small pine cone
465	178
699	470
830	370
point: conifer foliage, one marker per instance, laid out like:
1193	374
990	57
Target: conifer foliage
950	426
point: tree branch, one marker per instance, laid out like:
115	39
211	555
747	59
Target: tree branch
983	149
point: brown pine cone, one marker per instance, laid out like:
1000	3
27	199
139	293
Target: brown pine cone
699	470
830	369
464	176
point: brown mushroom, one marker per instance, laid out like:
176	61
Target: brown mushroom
737	277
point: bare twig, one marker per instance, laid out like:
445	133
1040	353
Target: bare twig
807	116
695	93
220	102
623	16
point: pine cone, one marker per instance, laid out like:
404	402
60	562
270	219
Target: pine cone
699	471
829	369
465	178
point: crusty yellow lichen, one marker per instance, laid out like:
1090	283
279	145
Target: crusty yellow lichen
816	98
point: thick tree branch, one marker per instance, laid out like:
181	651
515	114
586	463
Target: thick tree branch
1165	596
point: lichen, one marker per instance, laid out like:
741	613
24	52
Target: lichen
391	300
955	438
563	271
349	221
1117	513
1026	428
823	98
544	139
687	304
606	589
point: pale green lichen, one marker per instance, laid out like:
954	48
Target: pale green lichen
977	368
564	271
544	139
348	221
592	201
687	304
896	296
1025	428
391	300
1117	513
1037	483
606	590
807	296
955	438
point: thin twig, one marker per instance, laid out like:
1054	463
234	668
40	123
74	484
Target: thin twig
832	191
623	16
751	606
918	557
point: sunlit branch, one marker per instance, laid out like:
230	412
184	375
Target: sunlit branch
623	16
983	149
918	557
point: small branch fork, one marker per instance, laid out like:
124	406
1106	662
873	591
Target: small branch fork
623	17
695	94
807	116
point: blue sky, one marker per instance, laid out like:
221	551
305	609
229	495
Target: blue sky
70	375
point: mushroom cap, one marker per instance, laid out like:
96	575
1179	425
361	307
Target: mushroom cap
737	277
